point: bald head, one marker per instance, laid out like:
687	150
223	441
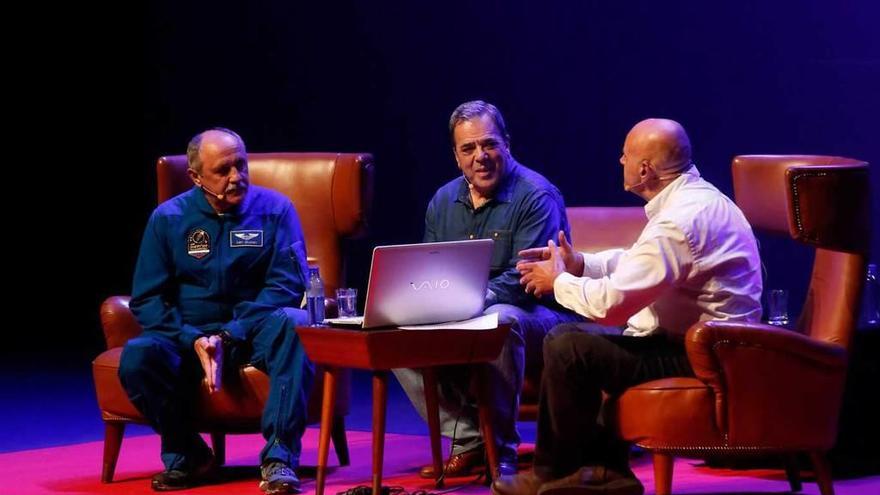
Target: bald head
655	152
217	136
663	142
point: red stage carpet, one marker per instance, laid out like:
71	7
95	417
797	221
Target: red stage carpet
75	469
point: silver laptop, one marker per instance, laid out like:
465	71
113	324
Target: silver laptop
435	282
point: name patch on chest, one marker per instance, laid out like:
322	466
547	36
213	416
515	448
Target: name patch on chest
246	238
198	244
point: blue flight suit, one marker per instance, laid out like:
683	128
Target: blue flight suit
200	273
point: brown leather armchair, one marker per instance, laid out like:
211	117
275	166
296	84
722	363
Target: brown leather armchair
760	389
332	193
593	229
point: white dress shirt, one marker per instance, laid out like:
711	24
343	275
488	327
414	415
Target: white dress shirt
696	260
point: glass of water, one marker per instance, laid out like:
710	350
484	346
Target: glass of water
346	301
777	307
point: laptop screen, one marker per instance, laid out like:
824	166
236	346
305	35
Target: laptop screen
412	284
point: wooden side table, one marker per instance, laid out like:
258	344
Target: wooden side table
383	350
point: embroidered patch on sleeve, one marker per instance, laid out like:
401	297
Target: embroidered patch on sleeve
246	238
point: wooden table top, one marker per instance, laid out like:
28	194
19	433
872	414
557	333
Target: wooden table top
394	348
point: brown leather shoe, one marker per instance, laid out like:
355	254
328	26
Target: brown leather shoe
464	464
526	483
592	480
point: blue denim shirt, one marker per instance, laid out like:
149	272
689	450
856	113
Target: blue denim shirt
199	272
526	212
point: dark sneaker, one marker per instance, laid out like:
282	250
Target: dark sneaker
180	479
277	478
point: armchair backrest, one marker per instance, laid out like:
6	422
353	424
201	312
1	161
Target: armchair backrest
332	193
823	201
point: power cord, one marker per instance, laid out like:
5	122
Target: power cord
368	490
399	490
464	397
442	477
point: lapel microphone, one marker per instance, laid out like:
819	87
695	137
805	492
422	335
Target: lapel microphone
212	193
658	178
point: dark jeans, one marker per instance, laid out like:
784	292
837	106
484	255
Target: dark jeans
578	366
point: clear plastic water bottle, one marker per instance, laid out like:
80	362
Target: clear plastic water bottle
315	297
870	315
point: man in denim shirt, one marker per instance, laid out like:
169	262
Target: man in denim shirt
500	199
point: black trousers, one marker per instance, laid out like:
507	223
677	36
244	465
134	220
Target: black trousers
578	366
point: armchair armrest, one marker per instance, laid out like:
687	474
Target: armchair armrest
759	372
705	340
118	321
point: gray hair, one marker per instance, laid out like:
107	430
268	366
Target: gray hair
473	109
193	160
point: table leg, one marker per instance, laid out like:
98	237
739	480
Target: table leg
429	379
485	407
326	426
380	394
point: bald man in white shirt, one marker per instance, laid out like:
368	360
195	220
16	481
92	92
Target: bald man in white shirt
696	260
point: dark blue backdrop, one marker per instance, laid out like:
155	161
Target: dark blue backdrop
570	77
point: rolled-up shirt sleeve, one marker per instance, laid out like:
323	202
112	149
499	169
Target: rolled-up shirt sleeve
601	264
619	283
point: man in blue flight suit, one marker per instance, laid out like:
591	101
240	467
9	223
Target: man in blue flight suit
220	270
